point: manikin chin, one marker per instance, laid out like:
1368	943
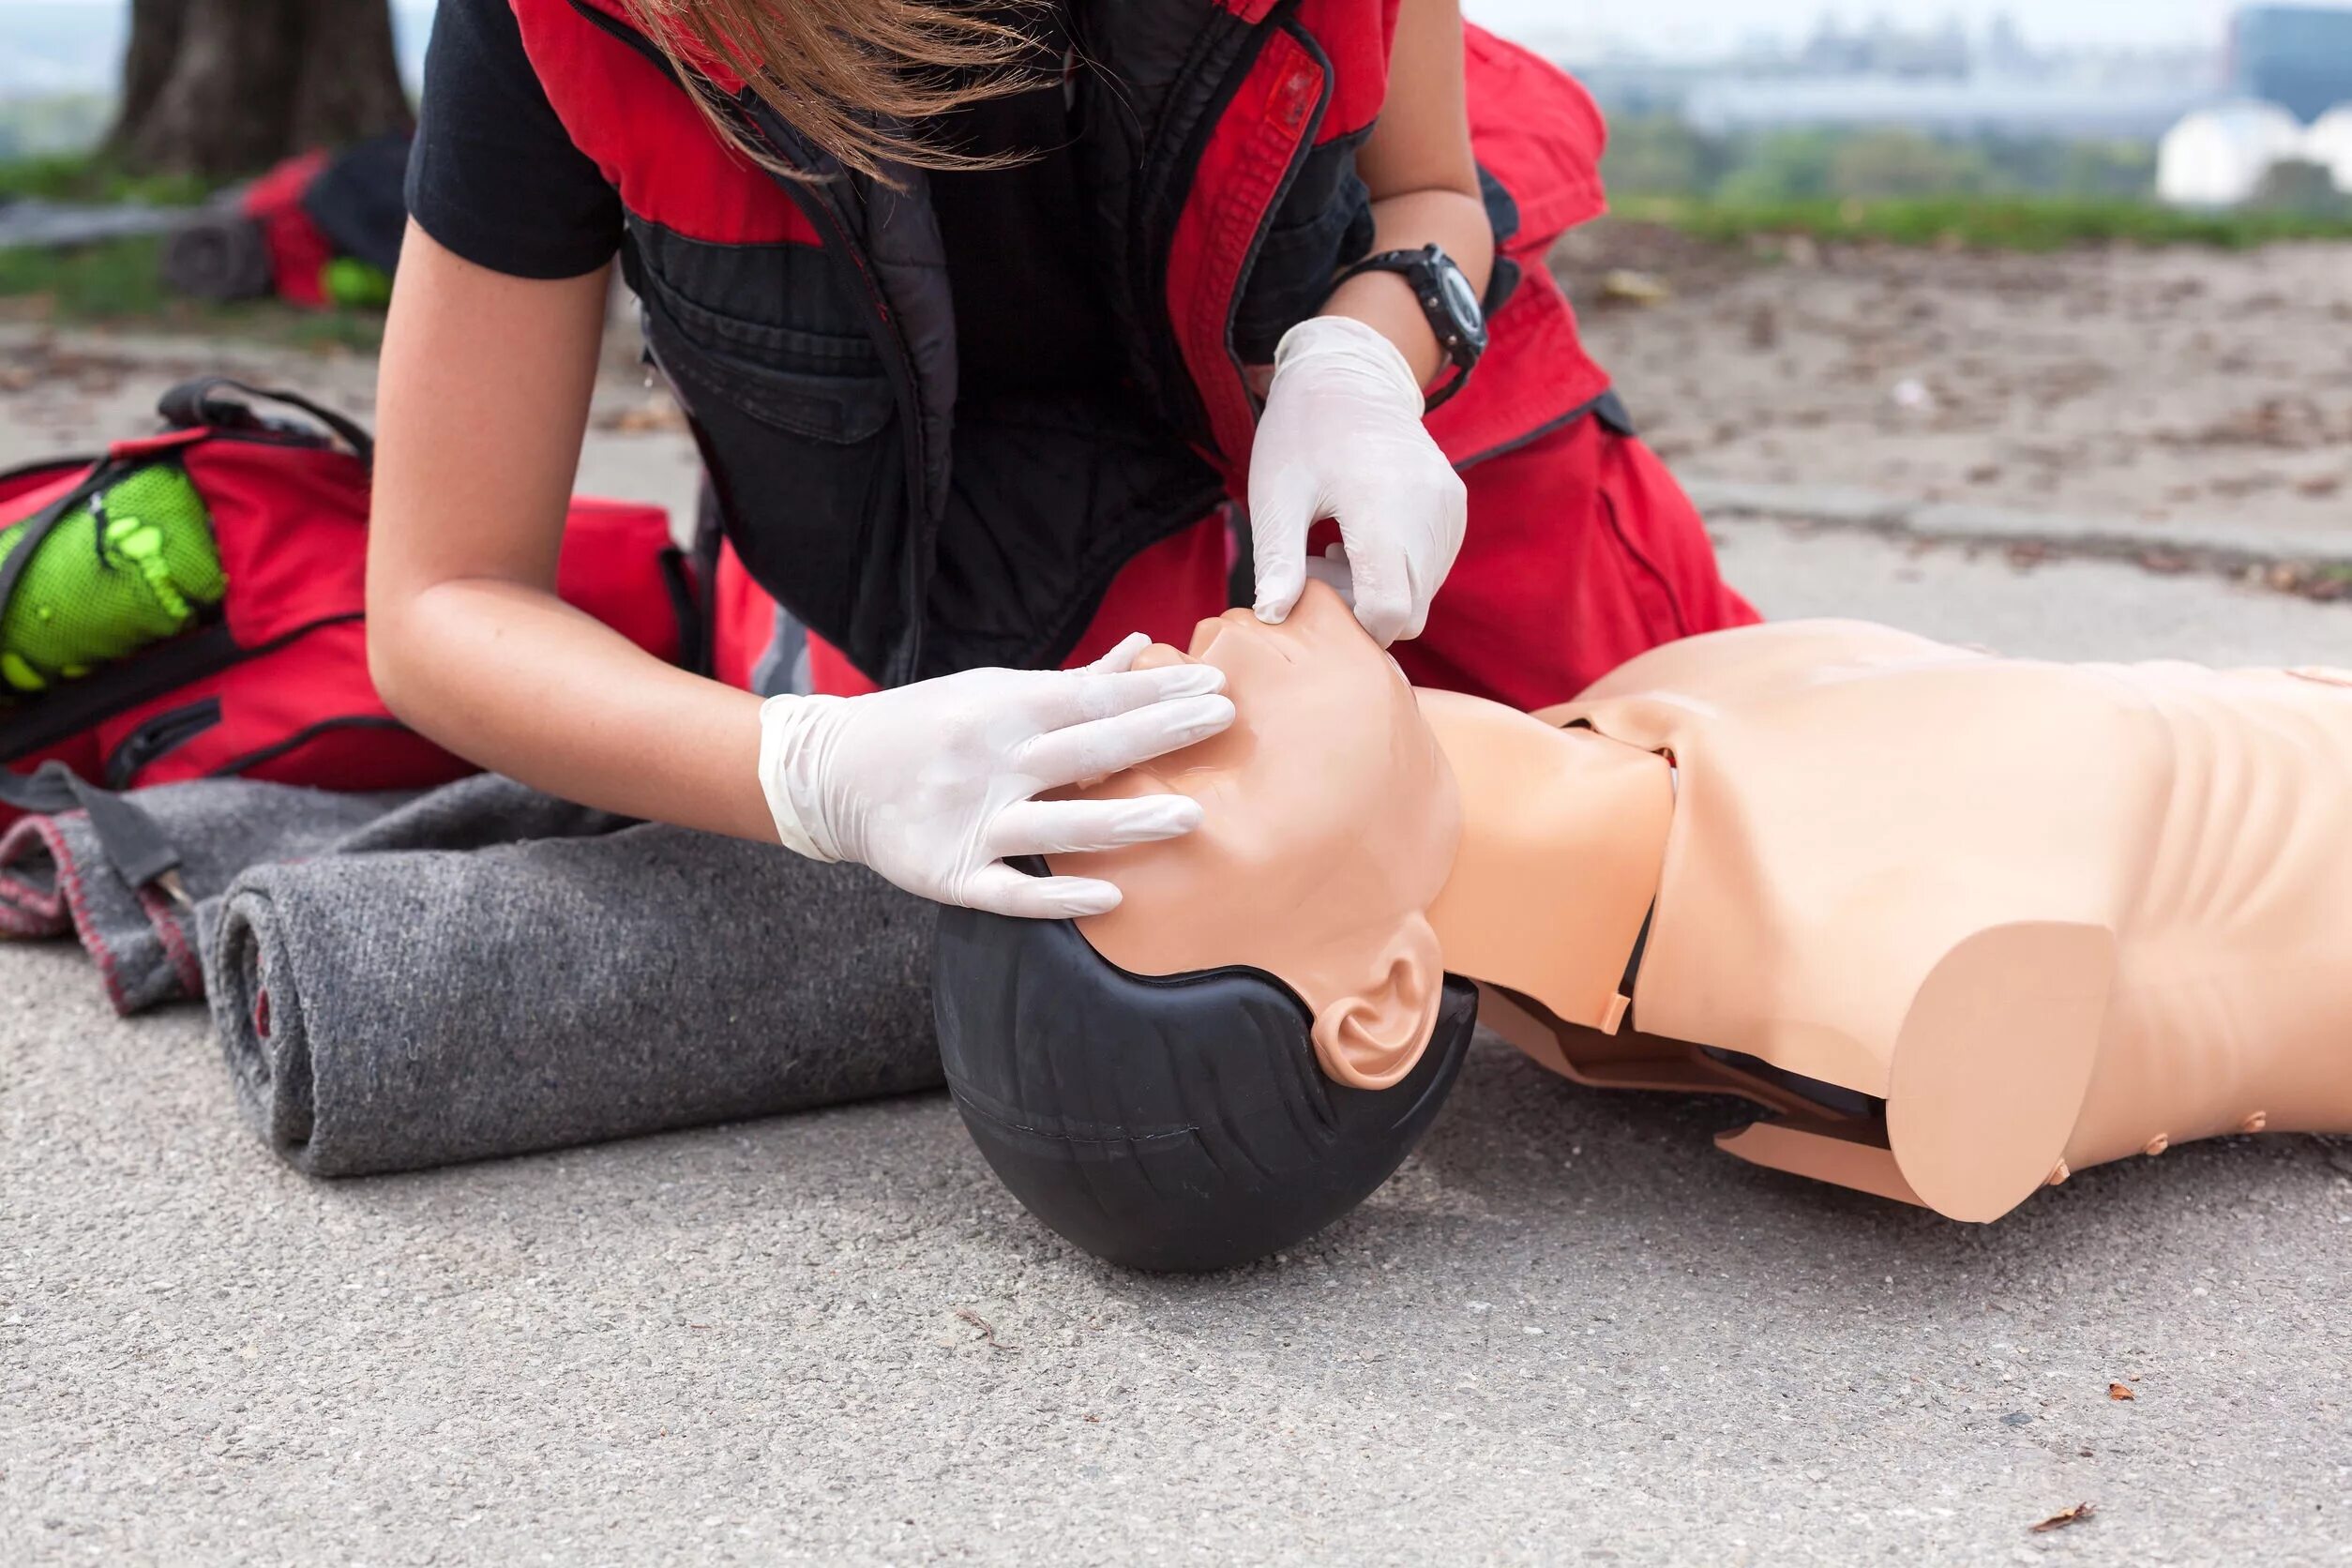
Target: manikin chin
1956	924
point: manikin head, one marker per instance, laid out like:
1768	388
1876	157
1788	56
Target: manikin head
1254	1039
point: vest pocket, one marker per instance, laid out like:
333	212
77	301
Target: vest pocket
821	385
1323	224
796	420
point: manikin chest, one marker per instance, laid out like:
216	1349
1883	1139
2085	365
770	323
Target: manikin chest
2040	916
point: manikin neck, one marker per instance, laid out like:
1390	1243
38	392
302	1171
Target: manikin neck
1563	840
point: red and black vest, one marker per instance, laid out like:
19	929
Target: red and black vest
807	328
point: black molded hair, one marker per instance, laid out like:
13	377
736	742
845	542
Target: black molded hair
1177	1124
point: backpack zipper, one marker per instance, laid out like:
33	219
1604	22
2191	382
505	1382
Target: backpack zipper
158	737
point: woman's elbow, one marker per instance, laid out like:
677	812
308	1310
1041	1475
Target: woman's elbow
392	658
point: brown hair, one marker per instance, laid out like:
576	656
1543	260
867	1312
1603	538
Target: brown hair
849	75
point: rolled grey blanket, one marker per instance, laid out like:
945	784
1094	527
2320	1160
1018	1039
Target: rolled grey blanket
218	254
391	1011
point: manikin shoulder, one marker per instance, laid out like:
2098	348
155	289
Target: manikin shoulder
1755	659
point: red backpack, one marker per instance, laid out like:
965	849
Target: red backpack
273	682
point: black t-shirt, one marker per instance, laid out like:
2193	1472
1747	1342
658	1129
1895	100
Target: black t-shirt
495	177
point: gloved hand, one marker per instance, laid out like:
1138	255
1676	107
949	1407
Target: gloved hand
1341	437
933	785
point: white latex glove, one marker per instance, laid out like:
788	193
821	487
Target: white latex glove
1342	438
933	785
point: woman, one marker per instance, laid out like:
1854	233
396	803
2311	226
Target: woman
982	318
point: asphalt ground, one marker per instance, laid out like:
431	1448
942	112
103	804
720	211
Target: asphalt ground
1567	1331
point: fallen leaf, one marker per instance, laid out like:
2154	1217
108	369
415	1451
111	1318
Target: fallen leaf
2074	1516
2117	1391
988	1330
1629	287
655	415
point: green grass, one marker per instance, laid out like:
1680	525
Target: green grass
119	284
79	178
1984	222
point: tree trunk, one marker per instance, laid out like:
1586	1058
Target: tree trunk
347	81
155	45
221	89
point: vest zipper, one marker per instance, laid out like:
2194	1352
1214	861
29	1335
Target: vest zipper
1150	294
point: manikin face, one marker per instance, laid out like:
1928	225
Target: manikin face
1330	826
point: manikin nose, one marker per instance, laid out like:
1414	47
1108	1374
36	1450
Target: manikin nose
1159	656
1206	633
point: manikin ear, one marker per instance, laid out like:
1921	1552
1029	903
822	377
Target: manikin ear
1373	1039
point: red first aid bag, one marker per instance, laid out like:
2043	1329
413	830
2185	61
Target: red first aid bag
273	682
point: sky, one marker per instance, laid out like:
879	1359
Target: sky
1709	26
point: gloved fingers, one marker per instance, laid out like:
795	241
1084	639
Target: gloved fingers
1000	890
1382	576
1451	503
1080	826
1331	569
1282	506
1421	593
1102	747
1122	658
1065	697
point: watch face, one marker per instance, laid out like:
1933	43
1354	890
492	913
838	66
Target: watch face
1462	304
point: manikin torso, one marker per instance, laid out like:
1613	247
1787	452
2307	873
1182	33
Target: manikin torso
2040	916
2050	914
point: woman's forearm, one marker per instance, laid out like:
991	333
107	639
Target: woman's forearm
1453	220
1424	178
484	398
512	678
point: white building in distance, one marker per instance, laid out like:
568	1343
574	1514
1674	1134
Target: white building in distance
2328	143
2218	156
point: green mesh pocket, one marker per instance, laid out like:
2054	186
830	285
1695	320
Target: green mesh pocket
110	579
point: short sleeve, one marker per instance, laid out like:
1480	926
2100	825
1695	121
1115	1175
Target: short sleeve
492	173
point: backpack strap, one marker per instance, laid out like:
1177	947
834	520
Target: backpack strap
133	844
192	405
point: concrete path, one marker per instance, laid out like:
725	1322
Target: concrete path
1568	1331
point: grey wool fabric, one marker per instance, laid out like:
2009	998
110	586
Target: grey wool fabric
402	981
54	878
410	1007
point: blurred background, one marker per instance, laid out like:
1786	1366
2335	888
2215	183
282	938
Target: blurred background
2078	260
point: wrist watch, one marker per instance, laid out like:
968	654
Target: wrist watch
1447	300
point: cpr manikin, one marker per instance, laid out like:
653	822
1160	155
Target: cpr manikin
1958	924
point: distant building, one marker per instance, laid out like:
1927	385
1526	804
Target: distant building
2137	112
2217	157
2328	143
2298	57
1883	49
2006	51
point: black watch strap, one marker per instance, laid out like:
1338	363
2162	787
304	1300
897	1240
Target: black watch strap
1447	303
